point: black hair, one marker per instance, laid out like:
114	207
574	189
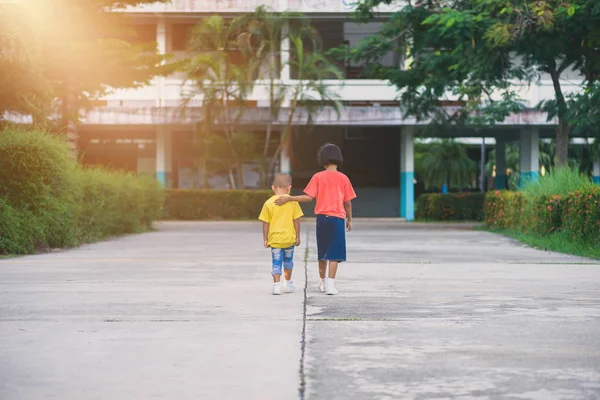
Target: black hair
330	154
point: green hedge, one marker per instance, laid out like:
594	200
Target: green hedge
580	212
576	214
48	200
214	204
450	207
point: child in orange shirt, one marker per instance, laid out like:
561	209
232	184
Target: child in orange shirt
334	193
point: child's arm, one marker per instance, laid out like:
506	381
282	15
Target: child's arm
348	208
266	233
297	228
300	199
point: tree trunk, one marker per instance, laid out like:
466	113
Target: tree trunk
239	174
562	131
231	180
562	144
264	169
287	132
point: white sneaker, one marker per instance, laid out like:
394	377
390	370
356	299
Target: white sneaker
290	287
277	288
323	285
331	290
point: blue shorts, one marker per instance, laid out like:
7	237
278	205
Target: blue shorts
282	258
331	238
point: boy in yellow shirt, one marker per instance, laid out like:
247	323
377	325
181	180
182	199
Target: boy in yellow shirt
281	232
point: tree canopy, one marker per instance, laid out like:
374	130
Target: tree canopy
71	51
480	53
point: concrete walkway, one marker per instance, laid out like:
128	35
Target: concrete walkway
185	313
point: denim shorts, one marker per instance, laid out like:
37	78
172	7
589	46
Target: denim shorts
282	258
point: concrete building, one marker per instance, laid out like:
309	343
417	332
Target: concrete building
144	130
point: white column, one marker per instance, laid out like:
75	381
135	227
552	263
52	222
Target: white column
161	40
284	56
407	174
285	163
529	155
596	172
164	163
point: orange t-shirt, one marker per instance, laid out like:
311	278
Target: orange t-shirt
331	189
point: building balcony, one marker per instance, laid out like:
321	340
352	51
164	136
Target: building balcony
247	6
367	103
171	93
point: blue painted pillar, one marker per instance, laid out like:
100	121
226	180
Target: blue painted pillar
529	156
407	174
500	180
163	157
596	172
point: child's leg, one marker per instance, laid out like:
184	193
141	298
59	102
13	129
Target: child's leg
277	258
288	262
322	268
333	265
287	272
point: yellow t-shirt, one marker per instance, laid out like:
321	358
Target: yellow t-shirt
281	222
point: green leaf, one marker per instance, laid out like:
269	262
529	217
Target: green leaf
571	11
438	53
504	10
450	22
429	20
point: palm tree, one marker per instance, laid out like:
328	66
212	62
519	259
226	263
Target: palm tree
446	163
224	86
260	40
309	91
262	36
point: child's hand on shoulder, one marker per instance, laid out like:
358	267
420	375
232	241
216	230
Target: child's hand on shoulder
282	200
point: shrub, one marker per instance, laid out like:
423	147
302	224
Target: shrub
47	200
564	202
581	215
503	209
541	215
214	204
34	166
116	203
450	207
20	232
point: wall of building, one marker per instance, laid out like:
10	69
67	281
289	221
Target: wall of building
371	161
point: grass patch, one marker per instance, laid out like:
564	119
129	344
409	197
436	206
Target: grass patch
559	242
561	181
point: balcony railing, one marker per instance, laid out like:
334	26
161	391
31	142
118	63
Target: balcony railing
169	92
237	6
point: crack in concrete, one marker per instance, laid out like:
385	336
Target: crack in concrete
302	388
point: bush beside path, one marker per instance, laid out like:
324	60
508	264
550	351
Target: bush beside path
47	200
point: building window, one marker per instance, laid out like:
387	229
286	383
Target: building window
180	36
144	33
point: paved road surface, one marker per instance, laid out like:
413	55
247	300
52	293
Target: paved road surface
185	313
